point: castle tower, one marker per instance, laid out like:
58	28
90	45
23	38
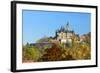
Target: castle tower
68	27
64	34
69	31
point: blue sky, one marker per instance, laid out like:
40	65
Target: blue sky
37	24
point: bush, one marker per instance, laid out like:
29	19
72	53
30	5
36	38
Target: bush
31	53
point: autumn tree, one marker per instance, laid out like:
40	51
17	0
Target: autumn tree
52	54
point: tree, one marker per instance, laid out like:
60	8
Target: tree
44	39
52	54
31	53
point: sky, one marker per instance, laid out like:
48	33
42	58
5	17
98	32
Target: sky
39	24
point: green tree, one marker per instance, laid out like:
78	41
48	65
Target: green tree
31	53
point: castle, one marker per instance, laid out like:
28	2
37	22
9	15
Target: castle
65	34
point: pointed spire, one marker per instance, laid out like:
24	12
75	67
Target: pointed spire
68	28
61	28
67	23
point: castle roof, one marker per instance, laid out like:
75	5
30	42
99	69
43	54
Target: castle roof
66	29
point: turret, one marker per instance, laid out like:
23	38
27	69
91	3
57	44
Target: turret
67	27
